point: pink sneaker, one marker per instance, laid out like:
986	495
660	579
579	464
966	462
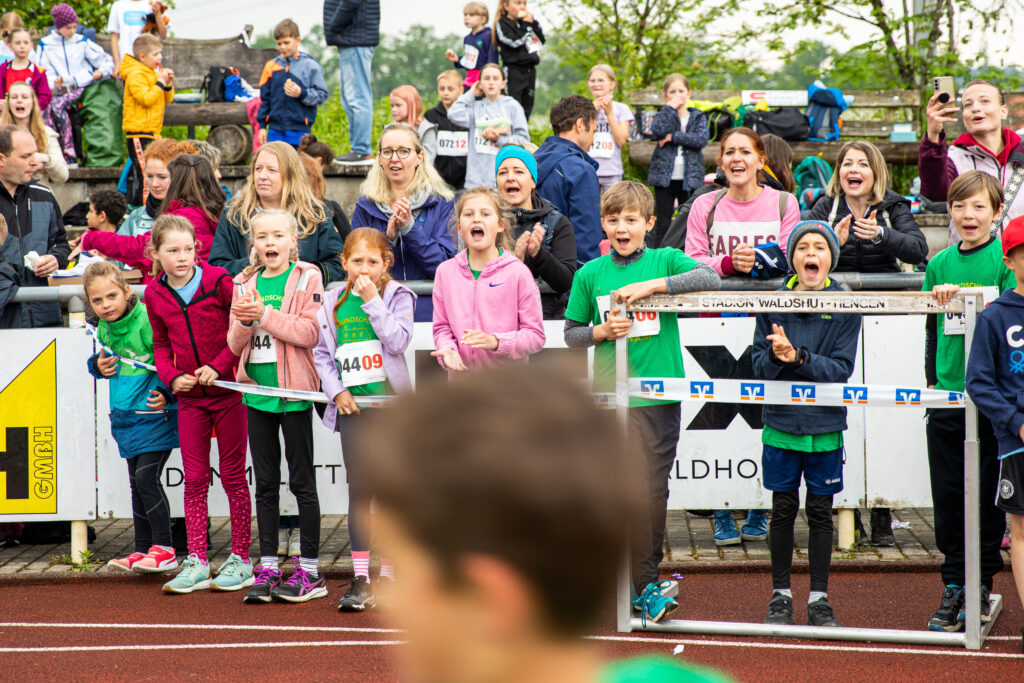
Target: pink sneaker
156	560
125	563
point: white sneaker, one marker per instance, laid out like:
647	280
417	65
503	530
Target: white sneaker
294	549
283	537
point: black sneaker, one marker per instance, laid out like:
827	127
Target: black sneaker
860	534
819	613
354	159
358	597
881	528
780	610
267	579
986	610
947	617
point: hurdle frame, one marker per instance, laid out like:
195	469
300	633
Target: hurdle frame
864	303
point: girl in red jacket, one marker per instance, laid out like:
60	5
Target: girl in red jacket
189	309
273	329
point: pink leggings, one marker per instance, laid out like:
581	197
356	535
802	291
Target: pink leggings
197	420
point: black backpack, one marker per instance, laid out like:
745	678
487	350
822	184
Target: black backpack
788	123
213	82
719	121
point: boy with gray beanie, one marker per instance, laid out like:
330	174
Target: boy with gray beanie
804	440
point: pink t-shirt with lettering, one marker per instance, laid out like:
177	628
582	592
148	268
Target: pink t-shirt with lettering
755	222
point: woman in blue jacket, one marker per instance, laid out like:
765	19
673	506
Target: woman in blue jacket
406	199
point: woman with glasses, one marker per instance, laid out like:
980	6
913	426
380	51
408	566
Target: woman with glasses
277	180
406	199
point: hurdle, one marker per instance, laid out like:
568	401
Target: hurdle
967	303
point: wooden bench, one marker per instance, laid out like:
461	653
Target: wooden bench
872	115
191	61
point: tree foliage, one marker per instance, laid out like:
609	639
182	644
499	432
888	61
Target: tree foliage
36	13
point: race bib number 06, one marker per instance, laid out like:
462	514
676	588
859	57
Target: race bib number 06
452	143
645	323
361	363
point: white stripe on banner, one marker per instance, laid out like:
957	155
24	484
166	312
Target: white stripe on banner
791	393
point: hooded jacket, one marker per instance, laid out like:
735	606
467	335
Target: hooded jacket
567	177
391	316
830	341
514	38
139	221
74	60
144	98
995	368
352	23
451	168
469	111
294	325
693	140
34	224
321	248
136	427
901	238
282	112
939	166
504	302
556	262
189	336
38	82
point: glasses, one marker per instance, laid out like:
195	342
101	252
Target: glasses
402	153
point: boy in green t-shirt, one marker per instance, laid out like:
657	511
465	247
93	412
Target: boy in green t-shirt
591	319
974	199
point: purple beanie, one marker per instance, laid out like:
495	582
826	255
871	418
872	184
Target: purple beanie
63	14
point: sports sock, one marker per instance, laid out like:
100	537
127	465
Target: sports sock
814	596
788	592
269	561
309	565
361	563
387	570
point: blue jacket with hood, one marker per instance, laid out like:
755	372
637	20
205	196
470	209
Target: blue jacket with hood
830	340
567	177
995	368
282	112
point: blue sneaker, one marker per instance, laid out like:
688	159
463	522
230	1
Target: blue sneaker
655	604
194	576
725	528
235	574
669	589
756	526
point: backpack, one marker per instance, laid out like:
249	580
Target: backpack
813	173
787	122
719	121
824	112
213	82
640	129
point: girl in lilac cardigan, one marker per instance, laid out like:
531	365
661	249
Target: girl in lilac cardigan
365	328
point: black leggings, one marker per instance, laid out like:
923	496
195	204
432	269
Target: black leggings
520	84
353	453
785	505
265	446
151	515
665	199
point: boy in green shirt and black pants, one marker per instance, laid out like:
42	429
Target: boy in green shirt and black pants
591	319
974	199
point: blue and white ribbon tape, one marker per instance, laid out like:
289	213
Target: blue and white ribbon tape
791	393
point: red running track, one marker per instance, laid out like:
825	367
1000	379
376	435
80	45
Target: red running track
200	636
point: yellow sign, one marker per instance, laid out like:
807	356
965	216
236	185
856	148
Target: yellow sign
28	438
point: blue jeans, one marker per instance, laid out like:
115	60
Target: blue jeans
357	95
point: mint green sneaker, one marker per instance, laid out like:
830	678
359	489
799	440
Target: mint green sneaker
234	575
194	576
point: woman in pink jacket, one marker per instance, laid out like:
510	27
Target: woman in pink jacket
487	305
193	193
273	330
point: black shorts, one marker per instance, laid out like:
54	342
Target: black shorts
1010	494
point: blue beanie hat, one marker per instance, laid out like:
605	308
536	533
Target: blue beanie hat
517	152
819	227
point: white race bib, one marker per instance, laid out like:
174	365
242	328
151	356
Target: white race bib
954	323
533	45
361	362
469	59
482	145
679	165
452	143
604	145
264	347
645	323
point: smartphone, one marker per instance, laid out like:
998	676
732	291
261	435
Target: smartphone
946	86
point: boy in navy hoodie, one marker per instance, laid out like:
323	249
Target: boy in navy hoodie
479	45
567	176
804	440
291	88
995	382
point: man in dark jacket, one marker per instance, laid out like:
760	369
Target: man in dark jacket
33	222
354	27
567	176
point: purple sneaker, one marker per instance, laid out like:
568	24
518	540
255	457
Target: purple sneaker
300	586
267	580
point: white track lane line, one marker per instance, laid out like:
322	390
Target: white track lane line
208	627
197	646
800	646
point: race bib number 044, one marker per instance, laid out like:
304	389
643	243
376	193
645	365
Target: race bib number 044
264	347
645	323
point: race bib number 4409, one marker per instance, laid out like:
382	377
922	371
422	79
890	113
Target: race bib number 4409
645	323
361	363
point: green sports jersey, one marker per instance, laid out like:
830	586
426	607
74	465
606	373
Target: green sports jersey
658	668
980	267
271	289
654	354
354	326
805	443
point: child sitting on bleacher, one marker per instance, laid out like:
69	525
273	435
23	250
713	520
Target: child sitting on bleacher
451	139
291	88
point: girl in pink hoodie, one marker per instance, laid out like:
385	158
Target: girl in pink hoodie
193	193
273	330
486	303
